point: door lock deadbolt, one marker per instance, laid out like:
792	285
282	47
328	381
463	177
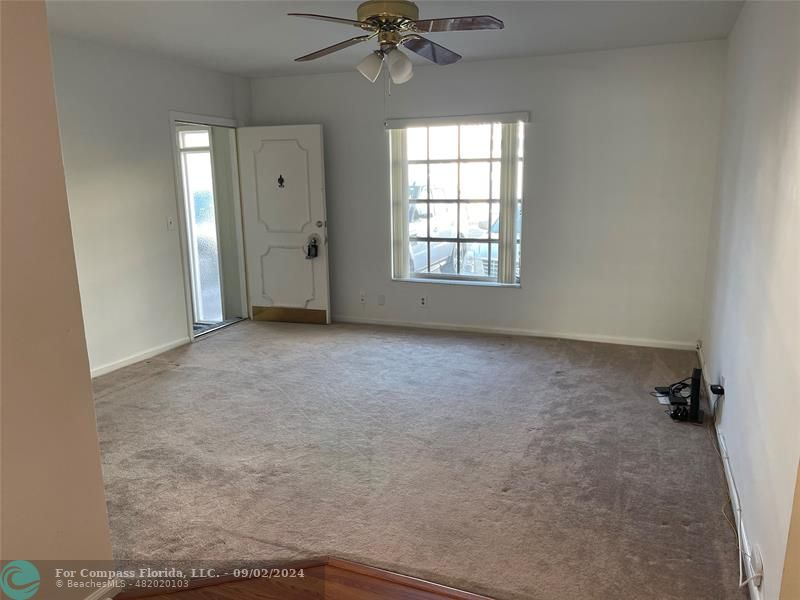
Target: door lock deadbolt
312	248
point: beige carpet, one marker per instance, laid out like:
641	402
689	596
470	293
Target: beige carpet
518	467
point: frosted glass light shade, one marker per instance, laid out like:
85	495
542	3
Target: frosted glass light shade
400	67
371	66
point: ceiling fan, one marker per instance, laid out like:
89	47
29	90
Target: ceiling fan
396	23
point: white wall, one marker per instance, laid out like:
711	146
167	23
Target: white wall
53	506
620	177
752	329
113	108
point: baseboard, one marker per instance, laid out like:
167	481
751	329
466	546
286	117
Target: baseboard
755	592
113	366
604	339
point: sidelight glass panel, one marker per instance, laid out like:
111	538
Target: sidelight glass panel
194	139
199	193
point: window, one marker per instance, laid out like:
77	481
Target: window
457	199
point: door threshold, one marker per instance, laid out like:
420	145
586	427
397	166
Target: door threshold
215	327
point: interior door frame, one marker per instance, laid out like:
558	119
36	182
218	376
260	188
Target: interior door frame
176	118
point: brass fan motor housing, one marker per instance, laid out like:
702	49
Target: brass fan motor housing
385	12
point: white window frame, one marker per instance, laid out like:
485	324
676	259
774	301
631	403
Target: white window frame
506	242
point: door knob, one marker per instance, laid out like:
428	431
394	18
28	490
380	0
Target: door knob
320	223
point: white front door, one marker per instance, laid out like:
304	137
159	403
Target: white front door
283	208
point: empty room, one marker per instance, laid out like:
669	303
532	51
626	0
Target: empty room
478	300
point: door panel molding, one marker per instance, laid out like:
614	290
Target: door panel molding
293	262
287	199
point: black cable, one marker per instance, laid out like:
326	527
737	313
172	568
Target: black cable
675	389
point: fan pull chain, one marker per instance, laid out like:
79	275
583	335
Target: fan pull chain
387	94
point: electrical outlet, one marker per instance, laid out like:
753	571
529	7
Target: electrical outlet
423	301
381	299
363	298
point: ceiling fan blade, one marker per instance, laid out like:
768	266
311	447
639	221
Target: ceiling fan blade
358	24
334	48
458	24
430	50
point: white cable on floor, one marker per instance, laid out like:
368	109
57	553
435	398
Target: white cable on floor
738	513
736	507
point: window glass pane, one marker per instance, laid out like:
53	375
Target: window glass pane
490	267
521	140
418	257
474	220
443	257
444	181
474	259
497	139
444	220
199	187
476	141
494	230
417	143
475	181
417	182
194	139
519	180
496	180
443	142
417	219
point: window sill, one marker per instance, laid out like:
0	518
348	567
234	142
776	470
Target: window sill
492	284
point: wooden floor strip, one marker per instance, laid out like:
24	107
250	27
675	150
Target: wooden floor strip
406	581
325	579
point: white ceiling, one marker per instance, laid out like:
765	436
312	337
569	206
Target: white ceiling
256	38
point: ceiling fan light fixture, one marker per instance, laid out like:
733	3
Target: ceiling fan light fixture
394	23
401	69
371	66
